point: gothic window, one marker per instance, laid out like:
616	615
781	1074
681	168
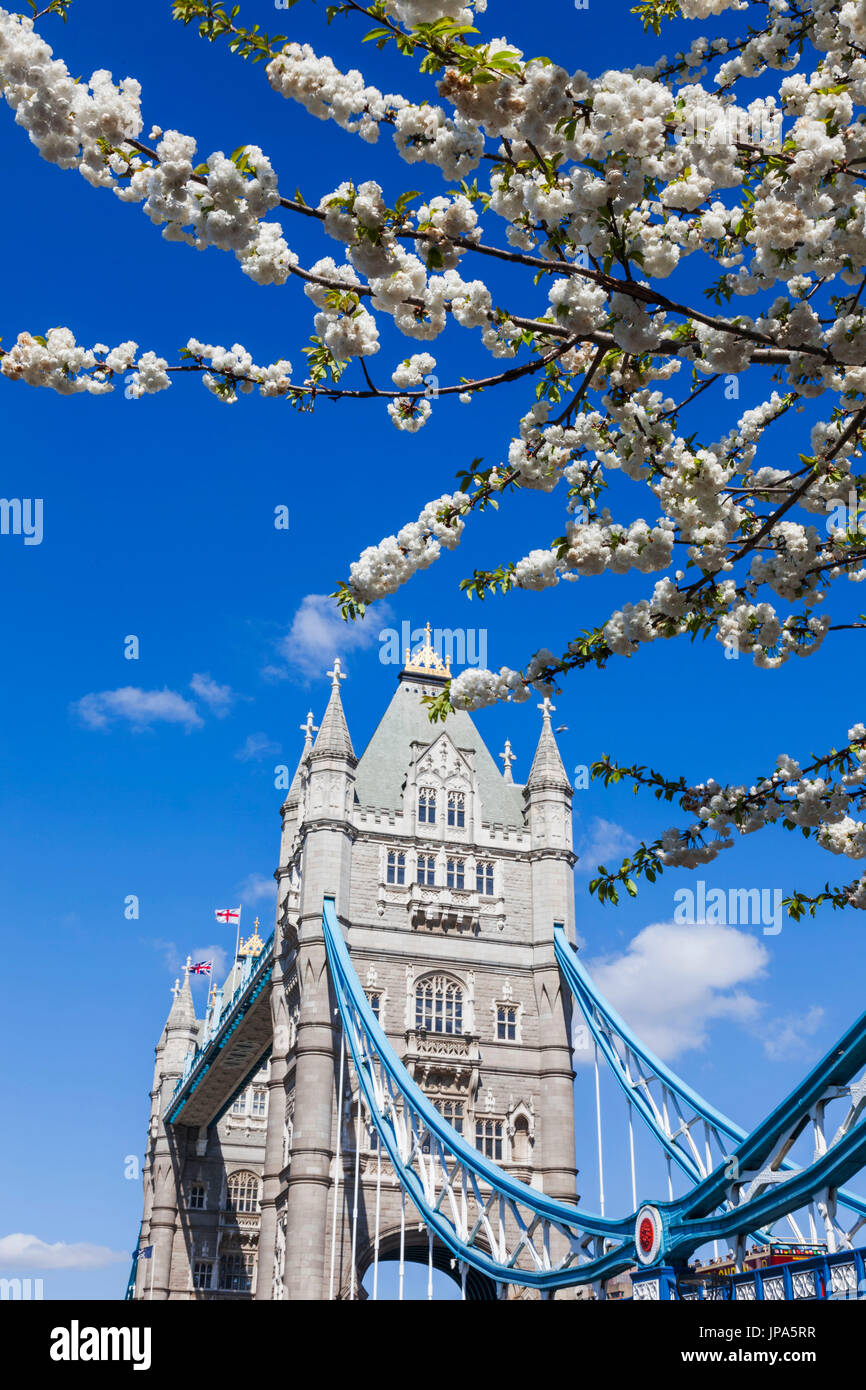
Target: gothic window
374	999
197	1196
202	1272
456	875
439	1005
484	879
427	805
426	870
243	1192
488	1138
260	1102
236	1272
457	809
396	872
451	1111
506	1022
239	1104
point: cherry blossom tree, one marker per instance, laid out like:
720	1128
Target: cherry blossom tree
591	192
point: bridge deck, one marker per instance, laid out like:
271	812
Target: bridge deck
236	1047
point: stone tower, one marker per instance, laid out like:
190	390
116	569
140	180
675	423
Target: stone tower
447	878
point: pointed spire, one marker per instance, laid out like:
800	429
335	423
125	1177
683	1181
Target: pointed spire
293	795
547	768
181	1015
333	736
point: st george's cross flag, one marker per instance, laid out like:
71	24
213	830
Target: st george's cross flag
201	967
229	915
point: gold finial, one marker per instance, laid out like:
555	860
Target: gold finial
426	660
253	946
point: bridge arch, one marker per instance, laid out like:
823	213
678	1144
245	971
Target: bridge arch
479	1287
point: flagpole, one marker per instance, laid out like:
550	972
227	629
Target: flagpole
237	940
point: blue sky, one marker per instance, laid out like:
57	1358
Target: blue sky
159	523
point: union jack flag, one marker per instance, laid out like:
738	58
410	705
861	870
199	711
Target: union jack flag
201	967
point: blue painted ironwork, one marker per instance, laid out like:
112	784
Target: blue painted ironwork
254	977
619	1045
130	1283
489	1220
719	1206
428	1154
834	1277
512	1232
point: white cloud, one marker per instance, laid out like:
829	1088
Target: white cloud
789	1035
139	708
673	981
219	698
21	1251
318	634
256	747
258	888
603	842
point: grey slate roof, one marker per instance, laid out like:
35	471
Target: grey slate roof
382	769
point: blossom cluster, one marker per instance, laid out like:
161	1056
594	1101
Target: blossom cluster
812	803
381	569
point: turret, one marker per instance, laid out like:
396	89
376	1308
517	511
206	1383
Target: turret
327	835
548	795
178	1038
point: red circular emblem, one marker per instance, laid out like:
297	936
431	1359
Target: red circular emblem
647	1235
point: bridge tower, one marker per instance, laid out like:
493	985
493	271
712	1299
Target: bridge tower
447	877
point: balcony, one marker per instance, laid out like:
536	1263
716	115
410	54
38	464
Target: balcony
444	909
443	1060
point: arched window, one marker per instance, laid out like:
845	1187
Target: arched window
243	1192
457	809
427	805
455	875
426	870
439	1005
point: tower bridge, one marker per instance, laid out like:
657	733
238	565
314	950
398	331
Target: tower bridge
389	1075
